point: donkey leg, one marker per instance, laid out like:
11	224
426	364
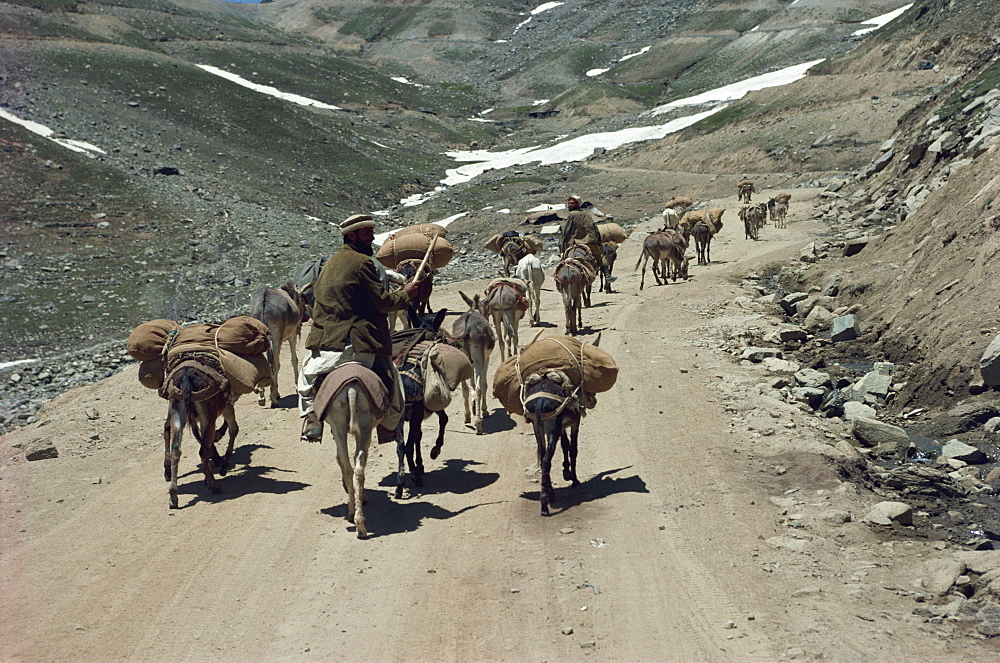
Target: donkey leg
166	445
226	461
465	399
360	461
413	445
546	439
442	422
400	463
275	369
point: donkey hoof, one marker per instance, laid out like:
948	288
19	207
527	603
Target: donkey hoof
399	493
568	476
435	452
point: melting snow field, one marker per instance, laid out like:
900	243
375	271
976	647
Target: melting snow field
267	89
42	130
880	21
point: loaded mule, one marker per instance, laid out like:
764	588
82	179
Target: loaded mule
198	393
472	334
777	210
609	250
513	248
506	301
744	189
574	277
585	254
753	217
430	370
552	403
406	271
282	310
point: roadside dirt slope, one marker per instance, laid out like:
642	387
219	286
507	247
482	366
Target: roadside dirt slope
663	553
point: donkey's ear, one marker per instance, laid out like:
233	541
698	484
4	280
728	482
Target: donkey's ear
439	318
468	301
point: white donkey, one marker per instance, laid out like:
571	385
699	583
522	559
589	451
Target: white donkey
529	270
281	309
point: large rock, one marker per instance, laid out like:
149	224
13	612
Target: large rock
775	365
940	575
41	451
989	364
963	452
845	328
818	318
855	409
810	377
757	355
811	395
855	246
789	301
962	418
887	513
876	384
873	433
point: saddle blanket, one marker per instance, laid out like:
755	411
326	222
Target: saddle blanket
347	373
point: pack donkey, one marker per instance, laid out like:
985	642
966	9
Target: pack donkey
573	277
667	249
197	393
472	334
415	366
506	302
282	311
553	406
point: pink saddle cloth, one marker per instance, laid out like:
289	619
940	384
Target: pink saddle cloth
357	373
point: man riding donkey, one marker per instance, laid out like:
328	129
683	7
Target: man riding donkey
350	323
580	227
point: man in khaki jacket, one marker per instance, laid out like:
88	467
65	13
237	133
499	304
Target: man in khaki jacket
350	323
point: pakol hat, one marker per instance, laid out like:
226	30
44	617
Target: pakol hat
356	222
576	198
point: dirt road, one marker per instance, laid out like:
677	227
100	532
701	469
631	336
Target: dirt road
677	546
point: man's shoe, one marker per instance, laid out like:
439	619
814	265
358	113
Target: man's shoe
312	428
385	434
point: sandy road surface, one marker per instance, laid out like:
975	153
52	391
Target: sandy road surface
659	555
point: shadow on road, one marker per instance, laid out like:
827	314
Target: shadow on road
597	487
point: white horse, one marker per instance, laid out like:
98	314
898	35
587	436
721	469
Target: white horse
529	270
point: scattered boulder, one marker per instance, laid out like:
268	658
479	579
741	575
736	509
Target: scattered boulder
964	452
855	246
810	395
872	433
920	479
988	619
887	513
809	377
854	409
41	450
818	318
757	355
940	575
789	301
845	328
989	364
775	365
873	383
962	418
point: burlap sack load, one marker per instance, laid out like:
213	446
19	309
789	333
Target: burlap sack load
145	343
611	232
414	246
680	201
533	242
744	182
556	352
241	343
783	198
452	364
426	229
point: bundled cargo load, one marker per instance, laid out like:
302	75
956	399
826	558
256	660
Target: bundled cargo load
680	201
413	246
587	366
531	243
426	229
744	182
240	344
611	232
783	198
146	341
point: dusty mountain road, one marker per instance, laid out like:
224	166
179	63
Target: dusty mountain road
673	548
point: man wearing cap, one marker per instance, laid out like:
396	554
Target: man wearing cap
580	226
350	322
